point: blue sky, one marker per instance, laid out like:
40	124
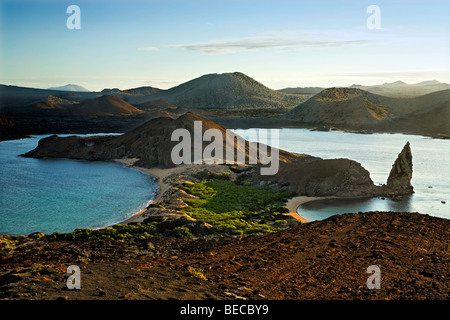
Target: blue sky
282	43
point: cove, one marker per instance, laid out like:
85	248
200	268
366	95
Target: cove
376	152
60	195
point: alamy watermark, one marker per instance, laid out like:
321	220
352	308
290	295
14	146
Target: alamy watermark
374	281
374	20
74	20
229	148
74	281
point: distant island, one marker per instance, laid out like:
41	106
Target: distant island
70	87
397	89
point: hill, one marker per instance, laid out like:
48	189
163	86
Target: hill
233	92
105	105
436	121
70	87
230	91
352	108
348	106
14	98
235	100
60	101
44	107
151	142
401	89
154	105
397	89
302	90
40	108
140	91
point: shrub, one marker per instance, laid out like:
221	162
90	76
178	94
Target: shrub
155	205
41	269
180	232
230	208
196	273
234	209
206	175
172	228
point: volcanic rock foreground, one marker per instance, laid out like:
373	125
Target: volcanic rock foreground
304	174
319	260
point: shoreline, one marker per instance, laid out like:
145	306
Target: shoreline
293	203
161	173
138	216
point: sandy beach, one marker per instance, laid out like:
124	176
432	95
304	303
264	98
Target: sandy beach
295	202
160	174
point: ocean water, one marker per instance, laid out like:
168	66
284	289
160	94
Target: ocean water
49	195
377	152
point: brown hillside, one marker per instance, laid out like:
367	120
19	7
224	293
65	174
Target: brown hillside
160	104
356	108
45	105
436	120
105	105
318	260
151	143
339	106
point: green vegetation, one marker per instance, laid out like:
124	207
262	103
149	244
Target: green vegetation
232	208
206	175
41	269
152	227
196	273
7	245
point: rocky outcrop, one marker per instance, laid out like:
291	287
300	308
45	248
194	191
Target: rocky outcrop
313	176
399	180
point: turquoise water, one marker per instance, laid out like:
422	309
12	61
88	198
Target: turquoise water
61	195
49	195
377	153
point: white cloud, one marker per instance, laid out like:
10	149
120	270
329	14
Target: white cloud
269	41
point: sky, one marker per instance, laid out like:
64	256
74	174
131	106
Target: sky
280	43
